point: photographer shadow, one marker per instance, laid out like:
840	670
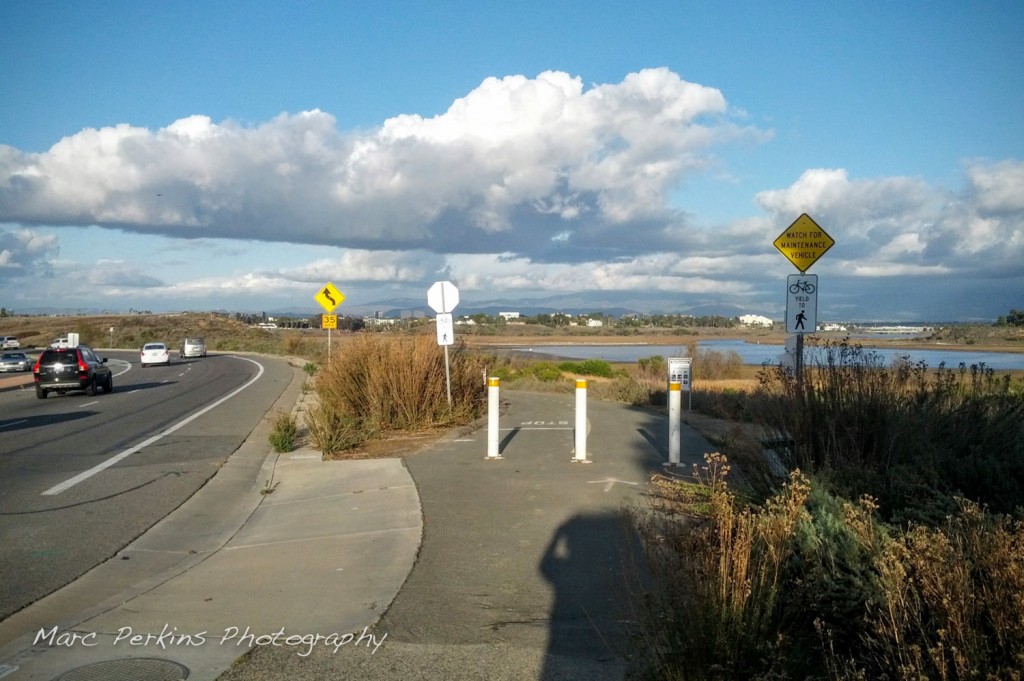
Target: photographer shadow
588	565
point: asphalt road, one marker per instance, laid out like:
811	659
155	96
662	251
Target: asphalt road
80	476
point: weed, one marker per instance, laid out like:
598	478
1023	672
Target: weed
911	436
284	432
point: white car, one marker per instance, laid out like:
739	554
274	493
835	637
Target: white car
10	343
154	353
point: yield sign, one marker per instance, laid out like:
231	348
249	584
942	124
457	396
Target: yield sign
803	242
442	297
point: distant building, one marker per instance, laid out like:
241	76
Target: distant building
379	321
508	315
754	320
594	323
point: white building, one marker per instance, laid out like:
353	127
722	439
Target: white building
754	320
508	315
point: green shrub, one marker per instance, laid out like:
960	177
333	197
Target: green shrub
546	372
333	432
589	367
284	433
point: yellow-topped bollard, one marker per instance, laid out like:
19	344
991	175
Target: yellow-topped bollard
580	449
493	408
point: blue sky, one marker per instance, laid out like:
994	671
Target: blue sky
237	155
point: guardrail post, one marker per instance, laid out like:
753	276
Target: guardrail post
674	419
581	422
493	385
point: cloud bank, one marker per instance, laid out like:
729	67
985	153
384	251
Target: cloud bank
524	184
539	167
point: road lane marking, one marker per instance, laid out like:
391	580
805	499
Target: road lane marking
85	475
13	423
610	482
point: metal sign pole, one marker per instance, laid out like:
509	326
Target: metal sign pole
799	364
442	296
448	377
447	369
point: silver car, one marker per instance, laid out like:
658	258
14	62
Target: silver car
193	347
15	361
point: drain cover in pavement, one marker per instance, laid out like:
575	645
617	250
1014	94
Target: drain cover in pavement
131	669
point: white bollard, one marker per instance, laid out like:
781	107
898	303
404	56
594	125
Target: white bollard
674	418
581	421
493	384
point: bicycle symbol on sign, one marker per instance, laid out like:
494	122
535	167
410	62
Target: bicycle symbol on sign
802	285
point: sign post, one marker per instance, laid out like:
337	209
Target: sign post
442	297
803	242
329	298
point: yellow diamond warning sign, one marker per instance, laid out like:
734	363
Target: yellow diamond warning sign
329	297
803	242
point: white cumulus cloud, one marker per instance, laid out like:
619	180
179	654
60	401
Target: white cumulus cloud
512	164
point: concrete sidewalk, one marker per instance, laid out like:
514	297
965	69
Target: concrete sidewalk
16	381
441	566
324	551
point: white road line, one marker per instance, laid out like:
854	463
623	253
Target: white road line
88	404
13	423
85	475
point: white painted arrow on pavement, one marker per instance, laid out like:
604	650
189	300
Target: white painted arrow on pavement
610	482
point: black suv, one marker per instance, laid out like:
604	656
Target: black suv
64	369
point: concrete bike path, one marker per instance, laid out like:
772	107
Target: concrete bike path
520	574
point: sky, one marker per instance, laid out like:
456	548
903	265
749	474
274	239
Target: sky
238	155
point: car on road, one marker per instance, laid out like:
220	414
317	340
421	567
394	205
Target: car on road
78	368
15	361
61	342
154	353
9	343
193	347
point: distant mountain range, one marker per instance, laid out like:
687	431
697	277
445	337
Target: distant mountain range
615	305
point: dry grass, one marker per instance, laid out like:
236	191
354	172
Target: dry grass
386	384
807	585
